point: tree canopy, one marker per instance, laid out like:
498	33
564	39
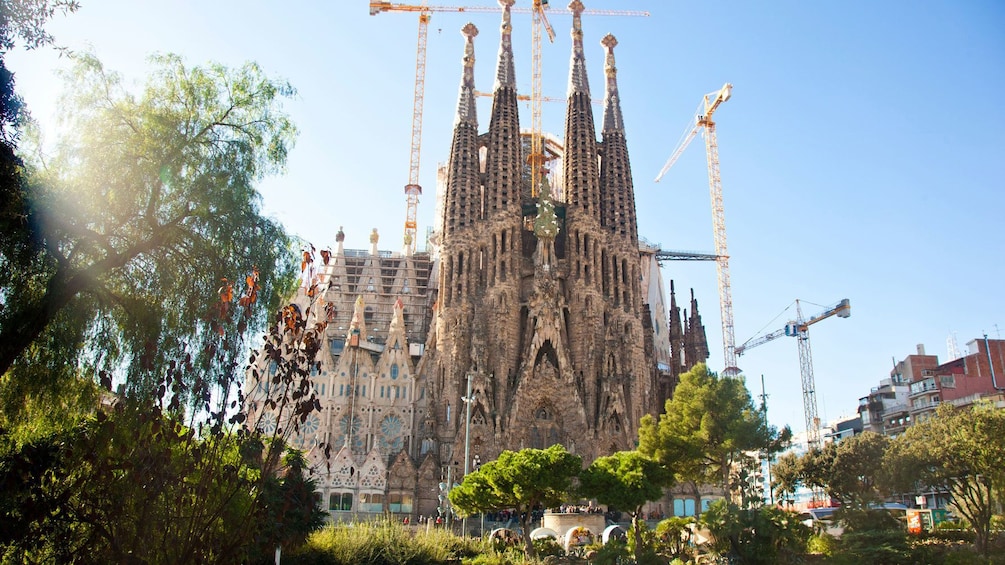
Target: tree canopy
959	448
144	215
25	19
709	424
626	480
522	480
850	471
133	485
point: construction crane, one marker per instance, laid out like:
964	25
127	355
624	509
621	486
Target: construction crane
799	329
703	120
413	189
668	255
536	157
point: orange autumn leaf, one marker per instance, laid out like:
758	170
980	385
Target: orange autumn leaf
226	291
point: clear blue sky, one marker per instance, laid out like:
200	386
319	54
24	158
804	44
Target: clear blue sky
862	153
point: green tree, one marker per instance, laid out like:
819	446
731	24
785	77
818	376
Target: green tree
25	19
132	484
962	449
855	476
524	481
786	475
849	471
626	480
219	489
133	226
708	426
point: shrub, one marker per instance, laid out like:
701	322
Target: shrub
881	547
821	544
611	553
385	542
675	536
868	520
544	547
755	536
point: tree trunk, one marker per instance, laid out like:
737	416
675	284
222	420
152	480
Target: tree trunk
637	534
30	320
528	544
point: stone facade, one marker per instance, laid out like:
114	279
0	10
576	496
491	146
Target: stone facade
539	313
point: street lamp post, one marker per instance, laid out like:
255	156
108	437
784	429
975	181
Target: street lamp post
481	515
468	399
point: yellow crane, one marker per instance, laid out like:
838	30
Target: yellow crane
536	158
413	189
799	329
703	121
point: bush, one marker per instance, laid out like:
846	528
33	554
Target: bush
544	547
611	553
821	544
762	535
882	547
675	536
382	543
868	520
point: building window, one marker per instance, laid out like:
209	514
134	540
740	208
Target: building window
398	502
371	502
683	507
394	371
340	502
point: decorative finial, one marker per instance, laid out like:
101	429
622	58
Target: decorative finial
507	27
613	120
505	71
610	42
469	31
466	100
576	7
577	72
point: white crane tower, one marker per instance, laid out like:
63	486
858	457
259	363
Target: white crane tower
703	120
799	329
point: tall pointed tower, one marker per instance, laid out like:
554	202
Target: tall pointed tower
695	340
539	307
538	320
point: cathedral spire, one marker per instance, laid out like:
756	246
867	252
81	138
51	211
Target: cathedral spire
696	341
503	164
466	110
505	72
463	198
582	181
577	73
617	203
612	101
